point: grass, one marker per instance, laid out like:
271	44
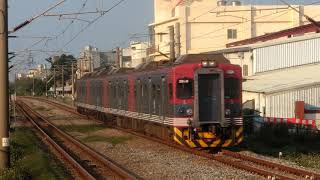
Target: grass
83	128
41	108
114	140
30	159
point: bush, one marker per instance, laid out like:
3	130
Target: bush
274	135
16	171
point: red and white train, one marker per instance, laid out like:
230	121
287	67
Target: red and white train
195	101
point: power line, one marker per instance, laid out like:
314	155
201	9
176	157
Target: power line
72	21
92	22
16	28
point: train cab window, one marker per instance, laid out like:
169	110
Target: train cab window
184	88
231	88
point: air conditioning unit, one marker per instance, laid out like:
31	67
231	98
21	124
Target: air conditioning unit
221	3
235	3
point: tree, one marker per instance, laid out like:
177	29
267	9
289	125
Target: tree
65	62
25	87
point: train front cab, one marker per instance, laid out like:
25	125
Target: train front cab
217	118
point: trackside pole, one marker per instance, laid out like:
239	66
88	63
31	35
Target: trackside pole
4	93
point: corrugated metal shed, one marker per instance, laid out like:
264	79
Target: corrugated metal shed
285	79
283	104
288	53
281	88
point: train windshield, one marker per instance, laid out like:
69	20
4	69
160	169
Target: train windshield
231	88
184	88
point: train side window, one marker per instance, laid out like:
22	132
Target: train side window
170	91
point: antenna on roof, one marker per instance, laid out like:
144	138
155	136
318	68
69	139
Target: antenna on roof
312	21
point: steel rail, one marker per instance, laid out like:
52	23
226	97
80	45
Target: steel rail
83	173
296	171
113	166
219	158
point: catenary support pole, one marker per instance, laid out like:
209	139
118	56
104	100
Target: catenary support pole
72	80
172	44
62	69
4	94
54	81
33	84
46	83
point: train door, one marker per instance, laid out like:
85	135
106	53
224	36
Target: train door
209	96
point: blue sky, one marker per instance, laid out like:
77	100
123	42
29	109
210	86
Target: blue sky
113	29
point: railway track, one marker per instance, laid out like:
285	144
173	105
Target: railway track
255	165
84	161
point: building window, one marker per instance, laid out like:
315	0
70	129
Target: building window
232	34
245	70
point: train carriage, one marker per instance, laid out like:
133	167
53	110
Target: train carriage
195	101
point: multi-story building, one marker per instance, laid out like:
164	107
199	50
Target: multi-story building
38	73
90	59
208	25
138	53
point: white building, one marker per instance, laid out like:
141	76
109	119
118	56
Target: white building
138	53
208	25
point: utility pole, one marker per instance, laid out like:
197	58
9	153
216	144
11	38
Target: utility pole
62	72
33	84
177	41
15	97
72	81
46	83
172	44
54	81
4	95
118	63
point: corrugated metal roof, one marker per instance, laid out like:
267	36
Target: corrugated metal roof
284	79
275	42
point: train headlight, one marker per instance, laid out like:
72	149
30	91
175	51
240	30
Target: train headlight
189	112
230	72
212	63
228	112
205	63
208	63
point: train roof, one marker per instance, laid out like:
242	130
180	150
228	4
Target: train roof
154	65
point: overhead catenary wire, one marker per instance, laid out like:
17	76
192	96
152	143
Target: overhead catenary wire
16	28
72	21
92	22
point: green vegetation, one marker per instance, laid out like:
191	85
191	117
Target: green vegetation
301	147
41	108
65	100
25	87
66	61
30	159
114	140
83	128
